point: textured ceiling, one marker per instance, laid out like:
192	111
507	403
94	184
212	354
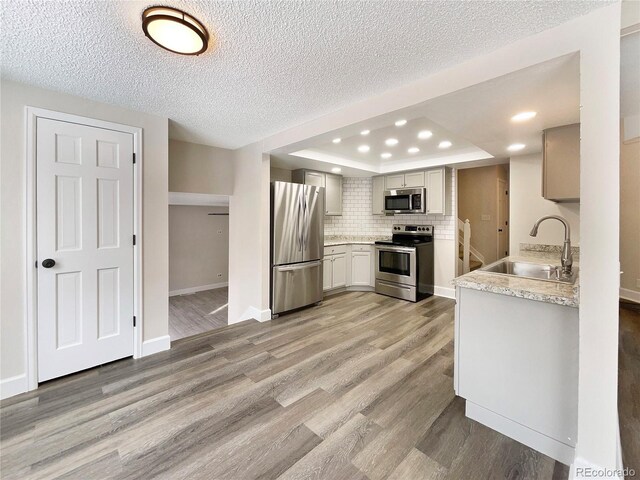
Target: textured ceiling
274	64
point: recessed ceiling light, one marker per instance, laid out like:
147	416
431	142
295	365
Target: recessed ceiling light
390	142
515	147
424	134
385	155
336	169
174	30
365	132
401	123
444	144
413	150
523	116
336	140
363	148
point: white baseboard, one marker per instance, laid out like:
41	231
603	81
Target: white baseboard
542	443
13	386
201	288
632	295
445	292
256	314
155	345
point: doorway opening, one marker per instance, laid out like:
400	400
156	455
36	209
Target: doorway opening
483	216
198	266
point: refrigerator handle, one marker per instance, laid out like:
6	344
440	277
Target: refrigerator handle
305	232
300	232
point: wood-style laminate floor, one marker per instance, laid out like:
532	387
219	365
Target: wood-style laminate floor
197	313
358	388
629	384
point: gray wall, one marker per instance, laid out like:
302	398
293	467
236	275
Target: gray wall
198	247
195	168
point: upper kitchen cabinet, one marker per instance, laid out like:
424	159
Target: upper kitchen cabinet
404	180
377	197
332	187
438	182
561	164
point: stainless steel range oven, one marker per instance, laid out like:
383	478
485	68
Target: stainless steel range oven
404	264
411	200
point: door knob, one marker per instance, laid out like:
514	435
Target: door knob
48	263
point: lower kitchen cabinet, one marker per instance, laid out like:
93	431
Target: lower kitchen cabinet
350	266
334	267
339	270
327	273
361	268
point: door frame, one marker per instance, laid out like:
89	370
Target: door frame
31	300
501	185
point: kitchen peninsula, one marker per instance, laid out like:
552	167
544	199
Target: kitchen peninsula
516	353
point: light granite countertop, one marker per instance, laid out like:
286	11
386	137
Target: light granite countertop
538	290
332	240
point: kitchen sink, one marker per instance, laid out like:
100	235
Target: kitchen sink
535	271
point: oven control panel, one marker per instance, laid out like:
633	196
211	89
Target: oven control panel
415	229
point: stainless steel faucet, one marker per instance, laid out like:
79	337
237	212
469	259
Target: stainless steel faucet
567	258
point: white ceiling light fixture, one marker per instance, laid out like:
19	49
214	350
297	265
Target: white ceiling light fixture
523	116
515	147
175	30
336	140
424	134
363	148
390	142
401	123
385	155
413	150
365	132
336	169
444	144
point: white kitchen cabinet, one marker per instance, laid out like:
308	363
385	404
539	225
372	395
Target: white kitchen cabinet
316	179
327	273
332	188
333	194
394	181
438	183
516	364
339	270
561	164
361	268
414	180
334	266
377	197
405	180
350	265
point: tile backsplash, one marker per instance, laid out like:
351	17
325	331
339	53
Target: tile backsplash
357	219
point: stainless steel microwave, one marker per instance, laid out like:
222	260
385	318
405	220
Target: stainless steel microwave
410	200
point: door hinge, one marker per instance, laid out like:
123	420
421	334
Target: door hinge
134	157
134	320
134	239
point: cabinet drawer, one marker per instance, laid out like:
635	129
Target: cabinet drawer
335	249
360	248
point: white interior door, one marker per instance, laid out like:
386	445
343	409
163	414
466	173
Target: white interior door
85	219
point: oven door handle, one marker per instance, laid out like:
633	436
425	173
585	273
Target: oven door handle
396	249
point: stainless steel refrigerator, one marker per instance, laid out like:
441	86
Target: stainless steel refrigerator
297	245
